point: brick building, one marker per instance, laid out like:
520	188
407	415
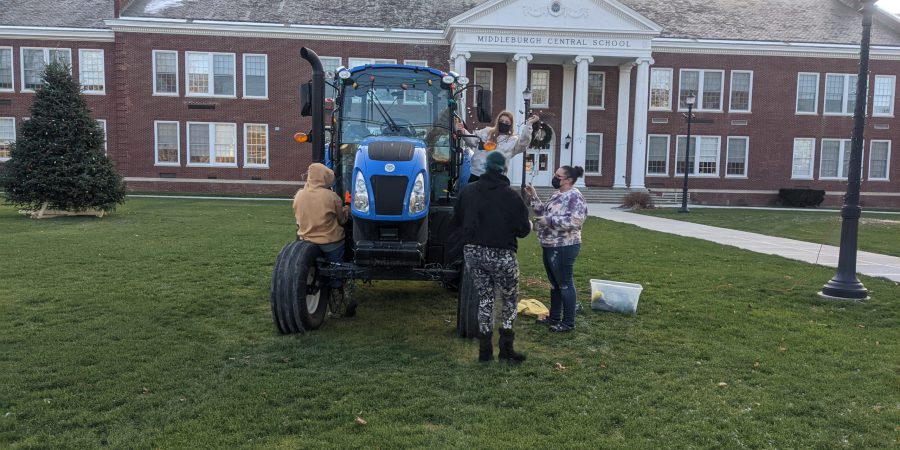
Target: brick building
202	96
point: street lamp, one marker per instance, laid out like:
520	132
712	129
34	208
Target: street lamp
844	285
689	100
526	95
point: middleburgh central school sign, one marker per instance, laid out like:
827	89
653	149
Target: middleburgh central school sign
555	41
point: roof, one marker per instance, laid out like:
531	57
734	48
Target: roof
56	13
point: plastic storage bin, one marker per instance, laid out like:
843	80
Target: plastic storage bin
615	296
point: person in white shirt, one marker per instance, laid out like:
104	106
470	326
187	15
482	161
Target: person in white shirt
503	135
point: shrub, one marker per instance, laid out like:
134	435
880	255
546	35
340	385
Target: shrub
638	200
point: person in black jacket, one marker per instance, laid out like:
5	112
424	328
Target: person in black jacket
492	216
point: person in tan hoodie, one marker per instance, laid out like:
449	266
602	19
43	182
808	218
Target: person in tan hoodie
320	215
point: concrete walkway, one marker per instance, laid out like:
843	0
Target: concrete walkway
871	264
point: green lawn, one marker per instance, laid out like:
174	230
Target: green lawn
151	328
878	233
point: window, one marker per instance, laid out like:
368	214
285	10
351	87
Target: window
211	144
540	88
102	123
168	146
703	158
741	91
879	160
484	78
353	62
835	159
883	97
807	93
802	161
657	155
736	156
593	153
414	97
596	85
165	72
256	145
256	76
210	74
6	69
840	97
330	65
35	59
7	136
707	85
661	89
91	72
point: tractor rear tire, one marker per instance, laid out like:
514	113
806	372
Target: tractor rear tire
298	294
467	306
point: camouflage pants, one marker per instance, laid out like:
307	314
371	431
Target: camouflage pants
494	270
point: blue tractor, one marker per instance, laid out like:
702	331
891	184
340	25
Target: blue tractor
390	139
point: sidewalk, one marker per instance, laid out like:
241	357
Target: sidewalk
871	264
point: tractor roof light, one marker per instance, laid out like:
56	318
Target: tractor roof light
301	137
448	79
343	73
463	80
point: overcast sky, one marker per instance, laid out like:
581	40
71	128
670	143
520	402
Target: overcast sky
890	5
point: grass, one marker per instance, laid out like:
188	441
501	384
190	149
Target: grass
151	328
878	233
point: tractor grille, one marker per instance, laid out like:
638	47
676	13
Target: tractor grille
391	151
389	194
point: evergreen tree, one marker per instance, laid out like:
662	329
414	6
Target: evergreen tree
59	158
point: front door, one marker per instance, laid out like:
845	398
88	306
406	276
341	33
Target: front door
539	166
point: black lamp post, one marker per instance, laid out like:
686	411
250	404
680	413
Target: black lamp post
526	95
689	100
844	285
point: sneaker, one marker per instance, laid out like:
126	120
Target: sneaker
578	307
561	328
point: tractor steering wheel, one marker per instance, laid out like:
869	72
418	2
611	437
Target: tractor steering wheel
404	128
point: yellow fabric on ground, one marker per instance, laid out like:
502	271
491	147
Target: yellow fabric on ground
532	307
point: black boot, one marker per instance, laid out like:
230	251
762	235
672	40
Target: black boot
506	347
485	347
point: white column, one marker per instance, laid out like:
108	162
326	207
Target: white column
568	100
639	143
518	109
622	125
579	125
459	66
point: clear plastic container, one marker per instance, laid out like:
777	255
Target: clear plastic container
615	296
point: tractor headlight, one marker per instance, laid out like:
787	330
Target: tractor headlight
360	194
417	196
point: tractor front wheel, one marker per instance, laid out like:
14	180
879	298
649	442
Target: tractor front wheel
298	294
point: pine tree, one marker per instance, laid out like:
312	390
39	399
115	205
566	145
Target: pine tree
59	158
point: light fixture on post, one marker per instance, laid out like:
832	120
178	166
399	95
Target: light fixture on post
845	285
689	101
568	141
526	96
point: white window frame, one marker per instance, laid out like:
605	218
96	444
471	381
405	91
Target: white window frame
668	106
81	52
849	90
531	84
256	166
602	104
698	106
746	140
364	61
893	79
12	70
330	78
843	148
815	110
211	76
812	159
244	76
212	145
177	75
887	168
490	86
13	140
668	149
695	171
46	62
414	62
599	171
102	123
157	162
749	93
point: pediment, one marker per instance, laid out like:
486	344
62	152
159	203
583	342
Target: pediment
562	15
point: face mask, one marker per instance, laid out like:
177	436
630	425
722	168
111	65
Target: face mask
503	127
555	182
